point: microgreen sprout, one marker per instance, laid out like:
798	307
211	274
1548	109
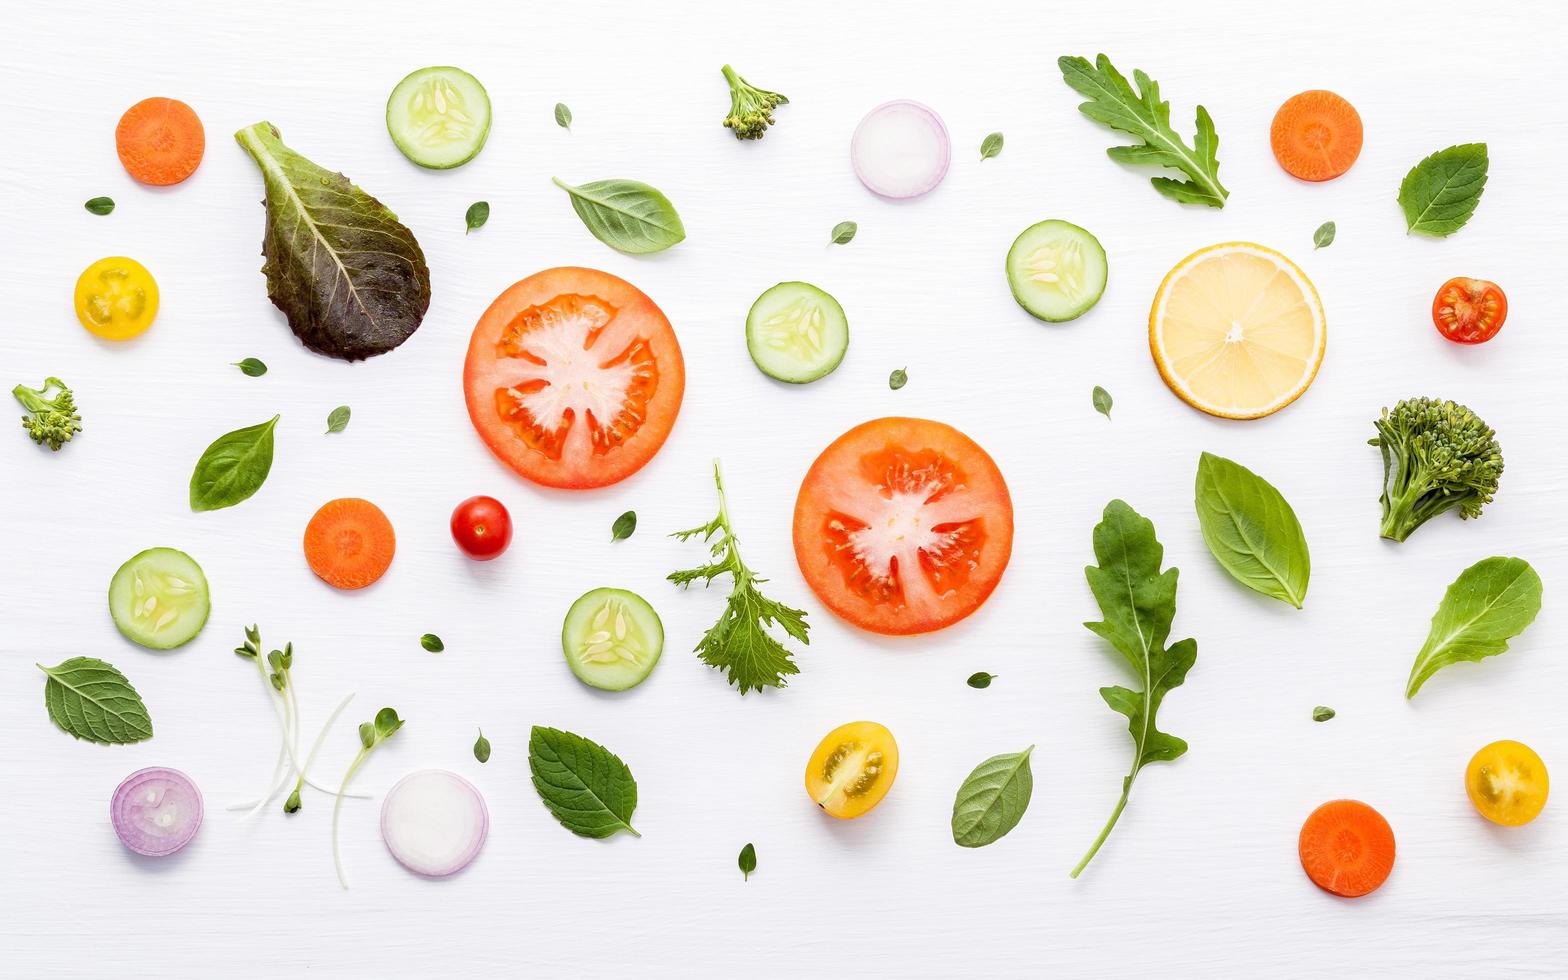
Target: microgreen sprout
371	734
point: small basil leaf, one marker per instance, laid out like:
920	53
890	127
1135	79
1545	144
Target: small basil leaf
748	861
1322	713
990	146
251	367
980	680
623	526
898	379
627	215
1251	530
482	747
478	213
432	642
843	233
563	116
233	468
337	421
1324	236
100	205
1102	401
993	799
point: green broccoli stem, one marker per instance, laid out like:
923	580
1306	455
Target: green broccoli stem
1402	515
730	76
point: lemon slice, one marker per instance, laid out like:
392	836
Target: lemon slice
1237	330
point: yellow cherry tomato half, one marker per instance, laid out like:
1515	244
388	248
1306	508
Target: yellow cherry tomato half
1507	783
852	768
116	298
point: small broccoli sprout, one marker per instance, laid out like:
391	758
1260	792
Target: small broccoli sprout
1437	455
51	421
751	108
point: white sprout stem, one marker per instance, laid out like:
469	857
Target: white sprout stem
304	774
337	809
277	775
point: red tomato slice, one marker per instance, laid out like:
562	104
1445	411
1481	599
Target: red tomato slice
903	526
1469	311
574	378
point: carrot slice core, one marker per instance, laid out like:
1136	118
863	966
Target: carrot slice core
1316	135
1347	848
349	543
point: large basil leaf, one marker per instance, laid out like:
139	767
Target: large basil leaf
993	799
233	467
1489	603
627	215
92	700
1251	530
348	275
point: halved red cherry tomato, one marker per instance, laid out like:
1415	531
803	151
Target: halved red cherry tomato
481	527
903	526
574	378
1469	311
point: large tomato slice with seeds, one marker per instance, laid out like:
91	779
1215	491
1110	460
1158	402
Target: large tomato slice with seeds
903	526
574	378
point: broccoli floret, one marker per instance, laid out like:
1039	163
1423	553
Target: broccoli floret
751	108
1437	455
50	420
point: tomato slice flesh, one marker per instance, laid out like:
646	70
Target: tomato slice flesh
1469	311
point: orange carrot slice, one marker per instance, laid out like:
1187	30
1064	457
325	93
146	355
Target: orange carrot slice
1316	135
1347	848
349	543
160	141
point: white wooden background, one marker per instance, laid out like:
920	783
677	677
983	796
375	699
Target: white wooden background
1201	877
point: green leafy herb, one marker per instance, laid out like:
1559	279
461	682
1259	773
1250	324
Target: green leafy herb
748	861
1138	602
1440	193
739	643
992	799
563	116
627	215
623	526
476	215
1102	401
1251	530
371	734
100	205
1324	236
584	785
1142	114
348	275
337	419
89	699
432	643
1489	603
233	468
482	747
49	421
251	367
980	680
843	233
990	146
1321	713
751	108
898	379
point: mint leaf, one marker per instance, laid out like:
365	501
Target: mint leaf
1440	193
91	700
992	799
1490	603
586	786
1251	530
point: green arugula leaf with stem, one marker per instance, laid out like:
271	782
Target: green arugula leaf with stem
251	367
980	680
371	734
898	379
1490	603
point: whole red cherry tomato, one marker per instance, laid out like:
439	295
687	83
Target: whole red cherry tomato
1469	311
481	527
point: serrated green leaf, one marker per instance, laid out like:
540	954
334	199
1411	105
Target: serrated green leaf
584	785
1440	193
91	700
1490	603
992	800
627	215
1251	530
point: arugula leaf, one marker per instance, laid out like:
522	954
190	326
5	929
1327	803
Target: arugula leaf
89	699
1138	602
1112	102
992	799
233	468
627	215
1251	530
584	785
1440	193
1489	603
739	643
747	861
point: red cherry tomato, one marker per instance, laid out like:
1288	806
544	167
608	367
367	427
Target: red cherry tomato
1469	311
481	527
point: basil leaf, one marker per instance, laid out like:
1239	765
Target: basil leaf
563	116
748	861
482	747
843	233
348	275
993	799
584	785
1102	401
623	526
1440	193
1321	713
89	699
990	146
1324	236
476	216
432	642
898	379
337	419
1489	603
980	680
233	468
627	215
1251	530
100	205
251	367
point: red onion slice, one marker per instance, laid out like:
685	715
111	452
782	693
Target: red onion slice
156	811
434	822
901	149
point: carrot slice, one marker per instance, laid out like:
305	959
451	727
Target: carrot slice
160	141
349	543
1347	848
1316	135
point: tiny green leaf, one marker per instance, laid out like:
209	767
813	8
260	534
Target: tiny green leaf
990	146
748	861
251	367
89	699
980	680
1440	193
478	213
337	421
1102	401
583	784
843	233
563	116
1490	603
1321	713
623	526
1324	236
482	747
100	205
898	379
387	722
432	642
993	799
367	734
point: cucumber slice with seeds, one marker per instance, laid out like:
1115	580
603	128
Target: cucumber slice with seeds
1056	270
612	639
796	333
439	117
159	598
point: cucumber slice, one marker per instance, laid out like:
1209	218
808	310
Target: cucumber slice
439	117
612	639
1056	270
796	332
159	598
